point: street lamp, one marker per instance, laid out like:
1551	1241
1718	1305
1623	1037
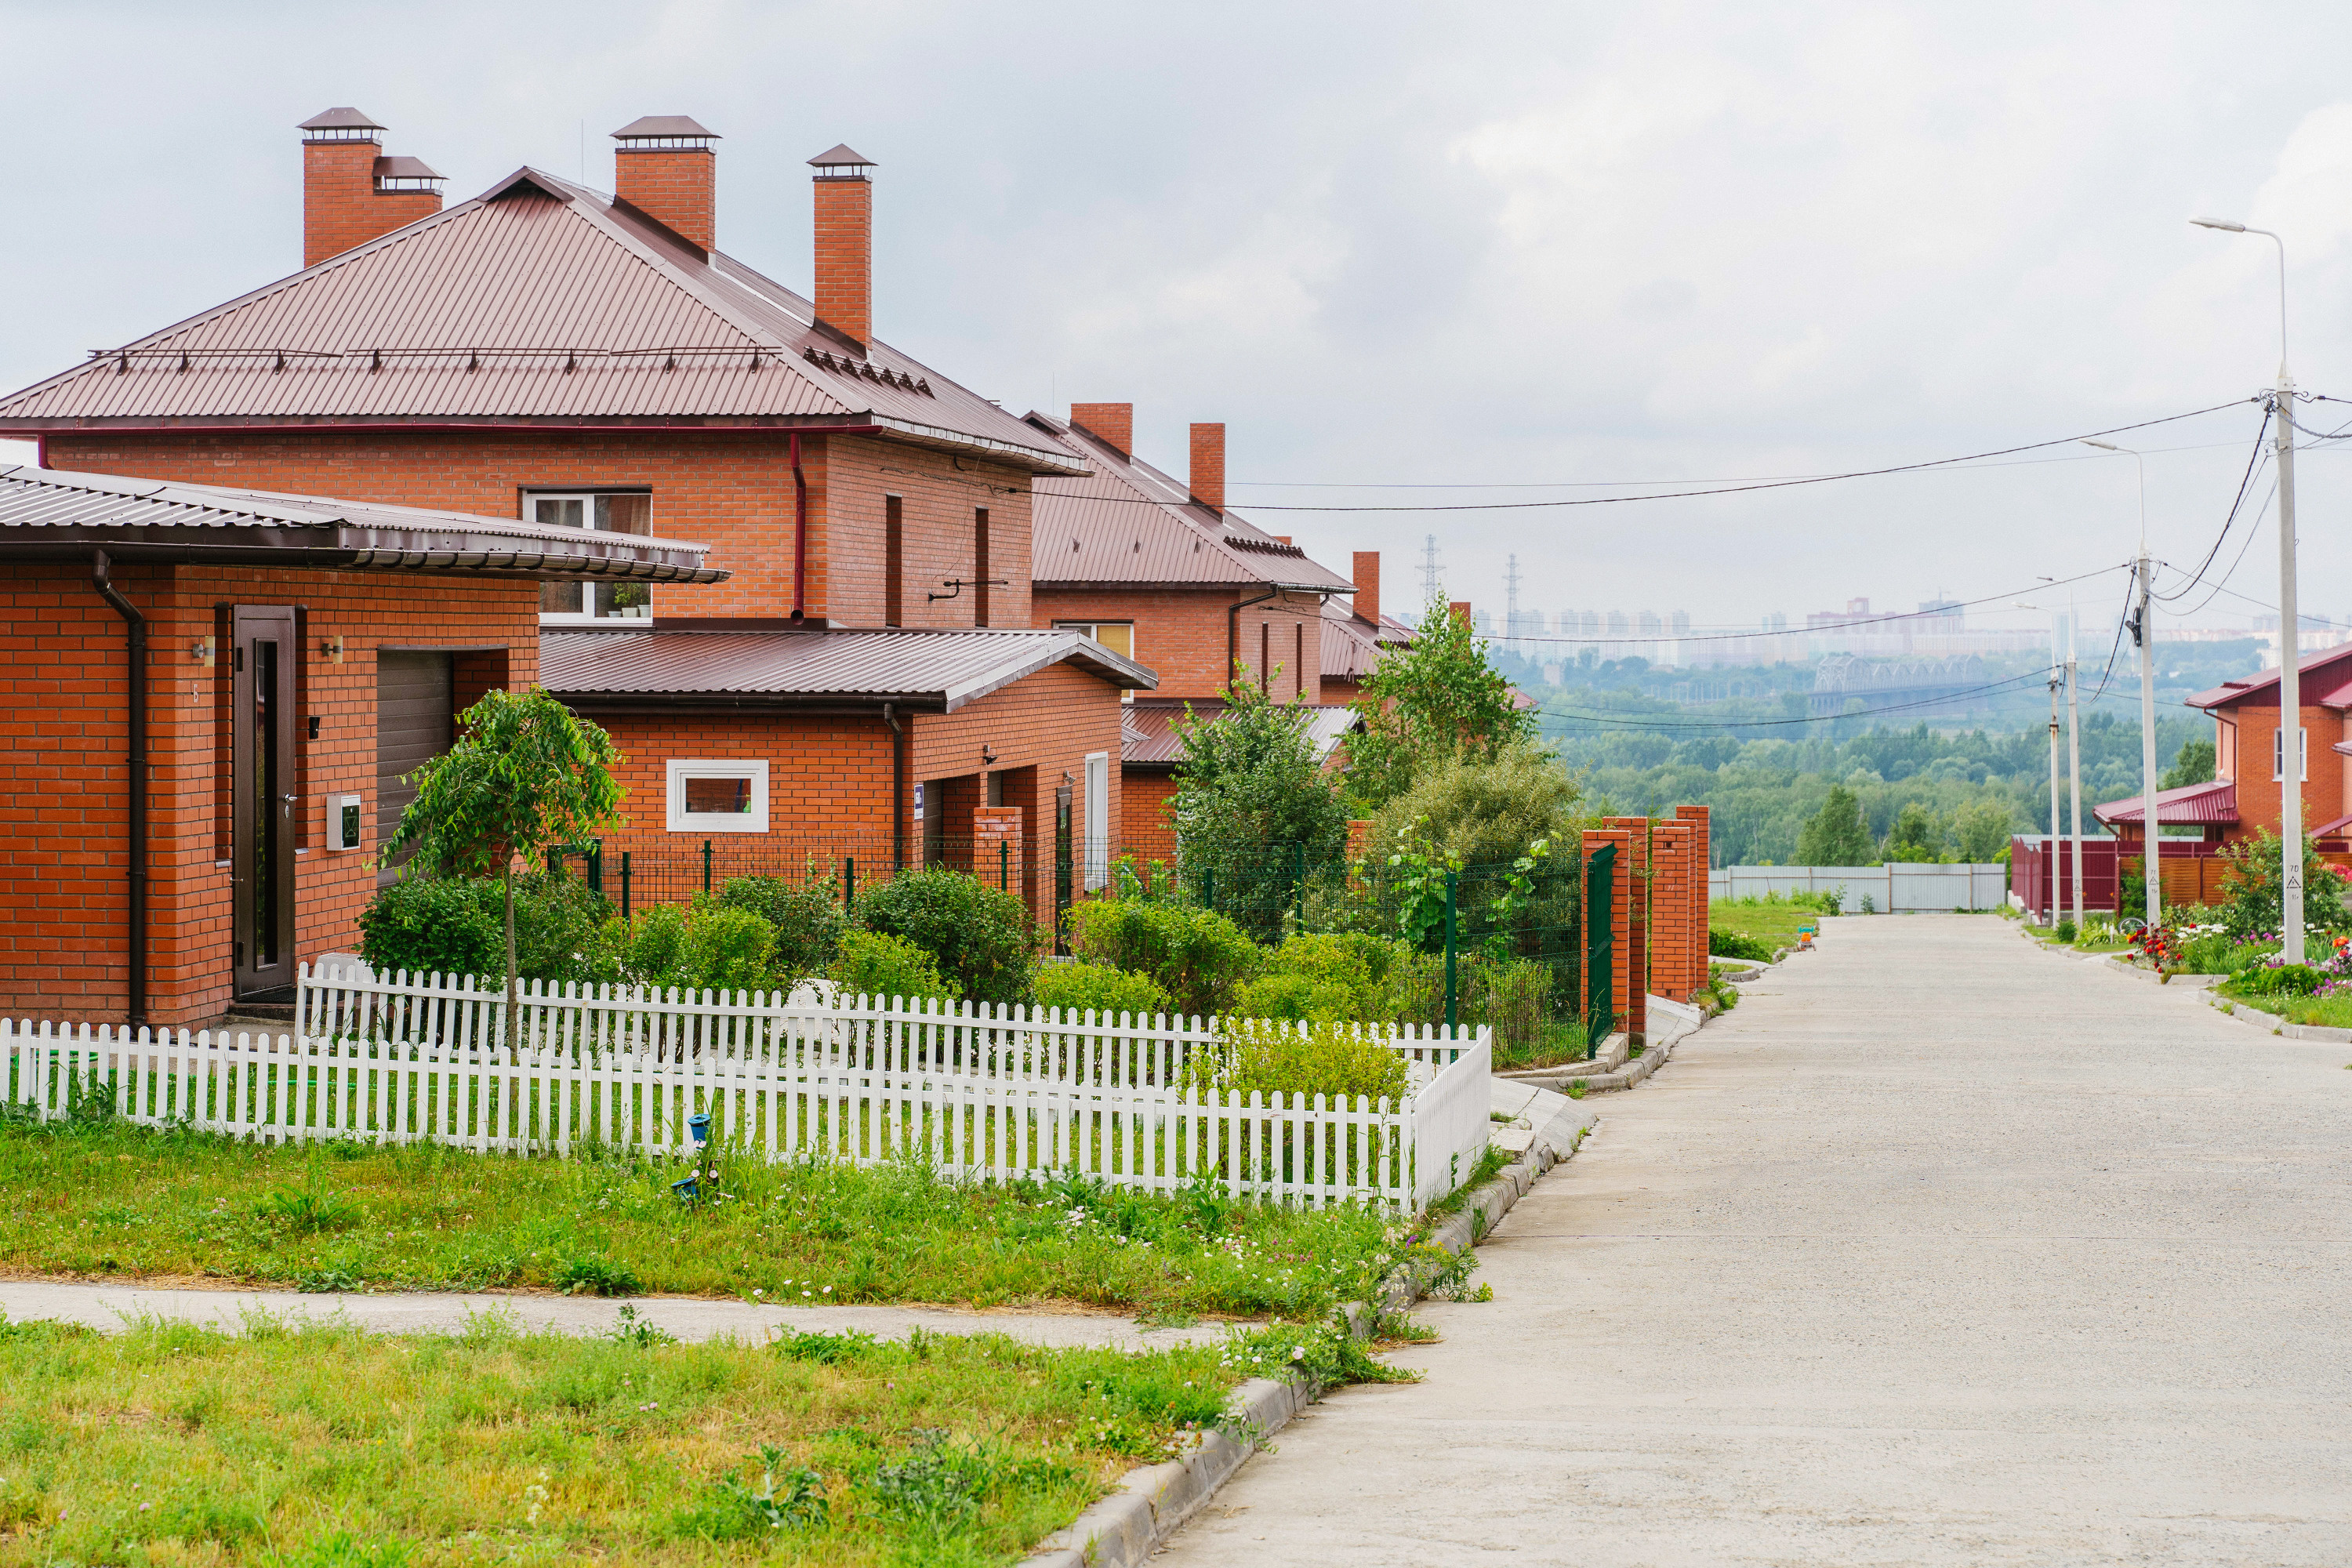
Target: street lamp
2143	634
2290	742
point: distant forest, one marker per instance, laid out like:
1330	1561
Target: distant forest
1639	750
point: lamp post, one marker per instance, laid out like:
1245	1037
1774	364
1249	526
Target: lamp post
2143	634
2290	742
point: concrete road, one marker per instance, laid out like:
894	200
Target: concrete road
1935	1250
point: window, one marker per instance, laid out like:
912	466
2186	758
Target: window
1116	636
2278	753
980	566
894	563
718	797
610	511
1098	820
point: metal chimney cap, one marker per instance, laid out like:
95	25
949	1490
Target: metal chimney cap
665	128
339	119
841	163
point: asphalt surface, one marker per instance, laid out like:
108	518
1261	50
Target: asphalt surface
1935	1250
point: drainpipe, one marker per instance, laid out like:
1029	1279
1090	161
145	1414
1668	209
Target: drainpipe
1234	629
800	535
137	625
897	787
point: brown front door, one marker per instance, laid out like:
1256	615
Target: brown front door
266	658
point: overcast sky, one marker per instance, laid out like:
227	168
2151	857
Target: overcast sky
1389	245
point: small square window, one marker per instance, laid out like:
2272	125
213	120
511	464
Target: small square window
708	796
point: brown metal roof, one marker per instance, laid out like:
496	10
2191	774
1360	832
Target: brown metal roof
49	511
2262	690
1152	734
935	669
1352	645
538	303
1128	523
339	119
646	126
406	169
2213	803
842	156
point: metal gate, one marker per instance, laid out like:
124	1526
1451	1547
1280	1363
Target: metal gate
1599	948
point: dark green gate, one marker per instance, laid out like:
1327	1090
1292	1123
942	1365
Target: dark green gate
1599	948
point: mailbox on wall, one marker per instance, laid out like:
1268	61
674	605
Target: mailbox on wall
342	822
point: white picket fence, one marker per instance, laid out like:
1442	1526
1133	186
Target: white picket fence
976	1090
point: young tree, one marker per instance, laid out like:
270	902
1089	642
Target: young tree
1837	835
2193	765
1437	698
527	774
1250	789
1916	837
1982	830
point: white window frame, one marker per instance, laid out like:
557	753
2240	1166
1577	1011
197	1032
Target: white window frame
681	820
2278	754
1096	826
588	585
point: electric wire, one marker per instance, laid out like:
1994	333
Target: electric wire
1619	722
2254	459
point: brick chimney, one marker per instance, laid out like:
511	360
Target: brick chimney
1461	608
1111	422
667	168
1209	466
845	243
351	191
1368	585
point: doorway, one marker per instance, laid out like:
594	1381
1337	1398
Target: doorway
265	661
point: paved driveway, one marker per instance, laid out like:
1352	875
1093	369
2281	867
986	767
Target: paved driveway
1935	1250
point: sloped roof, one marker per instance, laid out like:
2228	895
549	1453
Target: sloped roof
2212	803
1352	644
2333	666
935	670
537	302
1152	735
1126	523
49	511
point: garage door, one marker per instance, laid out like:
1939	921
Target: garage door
414	723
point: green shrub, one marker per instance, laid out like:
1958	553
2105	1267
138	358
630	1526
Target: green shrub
1099	988
1197	955
982	939
1516	1006
1295	997
807	918
2285	979
874	964
1739	945
2063	930
429	925
700	947
1360	964
457	926
1257	1056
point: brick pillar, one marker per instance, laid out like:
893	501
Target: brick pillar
1625	967
1637	933
1670	899
991	826
1701	862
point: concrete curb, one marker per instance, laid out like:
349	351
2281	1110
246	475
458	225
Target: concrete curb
1152	1503
2272	1023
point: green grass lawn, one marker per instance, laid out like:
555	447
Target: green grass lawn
312	1447
107	1200
1772	923
2325	1012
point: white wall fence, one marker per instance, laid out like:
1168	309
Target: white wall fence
976	1090
1906	887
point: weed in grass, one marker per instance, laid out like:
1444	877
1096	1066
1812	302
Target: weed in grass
341	1550
1402	1327
824	1349
790	1497
1167	1318
940	1483
629	1329
310	1209
1450	1282
1577	1088
592	1275
326	1282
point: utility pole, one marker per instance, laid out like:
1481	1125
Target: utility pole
2074	772
2289	734
1511	604
2056	654
2151	817
1429	573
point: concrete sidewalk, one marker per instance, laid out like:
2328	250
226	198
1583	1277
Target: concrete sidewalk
109	1307
1932	1251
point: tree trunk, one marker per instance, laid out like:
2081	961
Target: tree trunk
510	956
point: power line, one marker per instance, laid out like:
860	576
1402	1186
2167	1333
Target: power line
1621	722
2253	461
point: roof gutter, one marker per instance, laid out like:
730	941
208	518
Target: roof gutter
136	625
1234	632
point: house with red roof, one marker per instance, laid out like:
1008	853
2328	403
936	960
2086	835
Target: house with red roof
857	663
1163	571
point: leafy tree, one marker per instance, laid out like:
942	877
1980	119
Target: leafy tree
526	773
1837	835
1438	697
1981	831
1491	810
1253	805
2253	886
2193	765
1916	837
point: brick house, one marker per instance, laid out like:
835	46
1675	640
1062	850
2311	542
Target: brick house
2249	775
1357	632
550	353
1165	573
212	697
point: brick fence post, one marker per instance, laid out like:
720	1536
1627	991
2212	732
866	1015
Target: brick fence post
1701	864
1670	900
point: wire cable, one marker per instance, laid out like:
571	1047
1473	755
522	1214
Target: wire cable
2254	459
1623	722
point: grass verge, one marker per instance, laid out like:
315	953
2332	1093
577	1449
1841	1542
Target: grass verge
1772	922
321	1447
83	1199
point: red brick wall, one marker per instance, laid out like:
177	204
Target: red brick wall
731	491
1702	852
64	841
1146	831
1677	969
677	186
2259	799
1180	633
341	205
1113	422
